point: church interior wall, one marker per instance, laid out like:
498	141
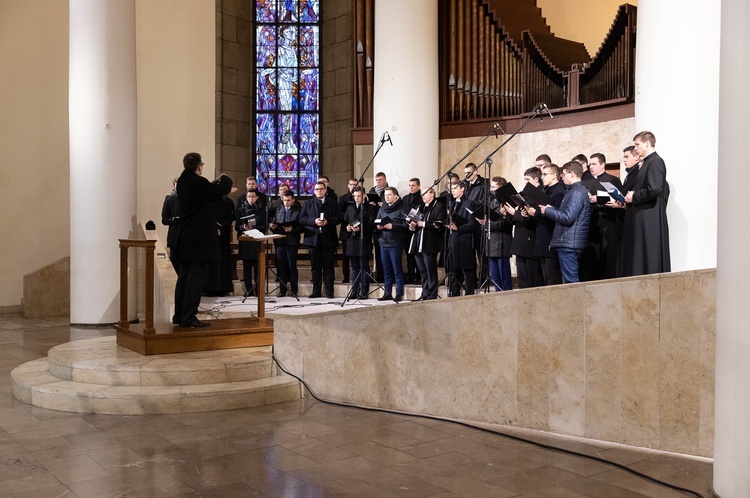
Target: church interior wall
581	20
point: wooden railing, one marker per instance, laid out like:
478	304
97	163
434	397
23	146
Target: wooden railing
150	246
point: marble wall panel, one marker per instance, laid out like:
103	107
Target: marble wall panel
640	362
567	339
680	372
603	319
628	360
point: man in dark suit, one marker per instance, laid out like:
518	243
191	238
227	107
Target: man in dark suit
412	200
650	236
549	262
170	216
476	190
528	265
599	258
460	257
344	202
197	238
358	224
381	183
427	241
286	222
319	218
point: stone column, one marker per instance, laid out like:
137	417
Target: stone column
677	88
405	93
732	402
102	153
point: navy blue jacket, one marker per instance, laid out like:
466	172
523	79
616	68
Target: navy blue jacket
572	219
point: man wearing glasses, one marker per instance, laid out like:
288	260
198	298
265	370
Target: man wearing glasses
319	218
572	221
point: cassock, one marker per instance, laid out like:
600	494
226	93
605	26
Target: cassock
650	236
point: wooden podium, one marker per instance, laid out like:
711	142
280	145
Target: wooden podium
150	338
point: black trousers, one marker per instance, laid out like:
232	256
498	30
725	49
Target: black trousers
321	263
427	264
465	277
378	260
551	271
529	272
187	292
286	264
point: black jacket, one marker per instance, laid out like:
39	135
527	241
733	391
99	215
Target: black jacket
170	216
292	238
429	239
197	237
354	240
249	250
546	226
320	236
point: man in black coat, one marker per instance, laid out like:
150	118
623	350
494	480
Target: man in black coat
476	191
550	264
286	222
528	265
344	202
427	241
170	216
460	257
359	224
599	258
319	218
412	200
197	238
650	236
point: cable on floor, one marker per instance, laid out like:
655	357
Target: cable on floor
491	431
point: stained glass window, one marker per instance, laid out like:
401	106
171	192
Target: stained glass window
287	115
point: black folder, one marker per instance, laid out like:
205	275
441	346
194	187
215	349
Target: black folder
505	194
479	213
373	197
536	196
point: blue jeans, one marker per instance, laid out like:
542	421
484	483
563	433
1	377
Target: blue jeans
500	273
391	257
568	264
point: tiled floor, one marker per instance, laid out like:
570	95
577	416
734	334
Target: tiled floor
297	449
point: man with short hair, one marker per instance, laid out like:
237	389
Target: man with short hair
392	244
648	198
501	239
412	200
427	241
548	260
542	160
170	216
330	193
460	257
476	191
286	222
250	216
571	221
631	160
599	258
344	202
252	184
319	218
528	264
358	223
197	237
584	162
381	184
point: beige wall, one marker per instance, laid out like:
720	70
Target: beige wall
176	109
585	21
176	95
34	181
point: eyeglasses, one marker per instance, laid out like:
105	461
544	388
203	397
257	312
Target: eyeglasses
320	188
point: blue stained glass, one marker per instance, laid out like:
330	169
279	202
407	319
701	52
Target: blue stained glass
309	10
308	90
309	46
288	134
265	133
288	10
265	10
265	38
266	90
287	72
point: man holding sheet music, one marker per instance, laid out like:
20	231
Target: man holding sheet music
319	218
427	241
358	224
250	215
572	220
528	264
460	259
548	259
599	258
286	222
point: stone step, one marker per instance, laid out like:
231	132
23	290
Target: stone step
101	361
97	376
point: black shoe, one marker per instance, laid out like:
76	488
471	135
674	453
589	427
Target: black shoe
363	297
329	295
195	323
386	297
345	281
429	298
399	299
281	294
175	320
315	295
420	298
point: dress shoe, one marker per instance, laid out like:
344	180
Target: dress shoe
175	320
429	298
315	295
399	299
363	297
345	281
281	294
195	323
329	295
386	297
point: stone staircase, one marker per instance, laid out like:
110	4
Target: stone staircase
97	376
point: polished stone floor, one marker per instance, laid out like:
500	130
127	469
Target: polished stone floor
295	449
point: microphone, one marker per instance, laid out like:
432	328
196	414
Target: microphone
495	127
547	110
387	138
